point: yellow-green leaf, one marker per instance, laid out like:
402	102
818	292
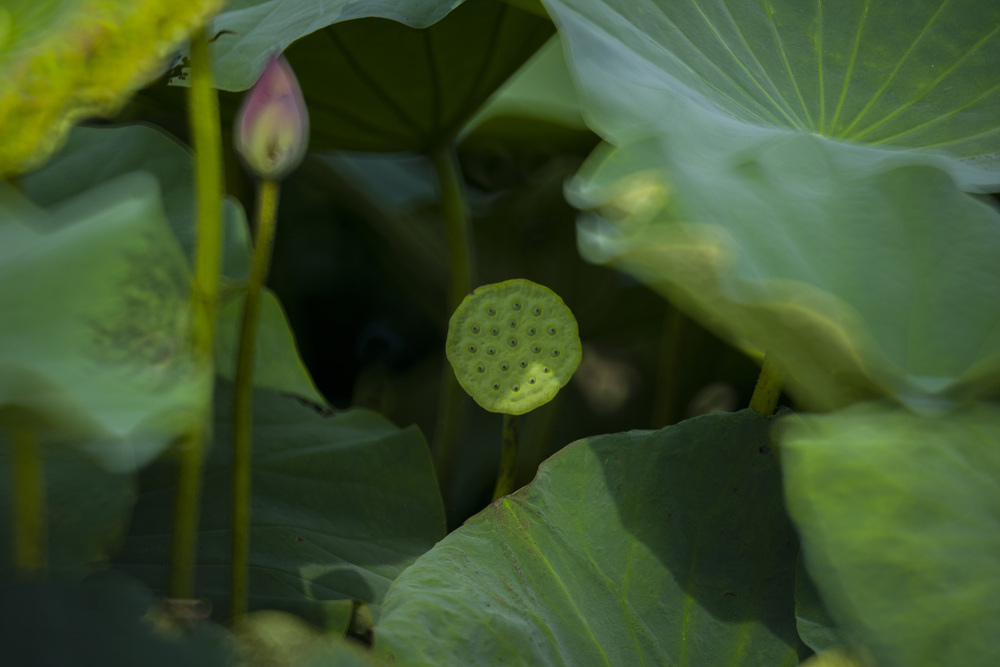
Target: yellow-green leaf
62	61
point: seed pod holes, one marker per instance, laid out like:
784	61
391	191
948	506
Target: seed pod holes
479	354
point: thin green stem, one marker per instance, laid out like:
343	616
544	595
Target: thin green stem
668	376
457	229
203	116
30	553
462	264
768	390
207	137
508	456
266	218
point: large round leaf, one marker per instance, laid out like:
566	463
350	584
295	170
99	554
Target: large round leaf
249	32
859	281
900	522
341	505
62	61
93	322
762	182
662	547
378	85
919	75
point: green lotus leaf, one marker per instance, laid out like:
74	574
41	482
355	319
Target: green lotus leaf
249	32
402	89
791	177
816	627
649	547
62	61
918	77
542	90
323	529
277	364
898	516
94	156
94	323
513	346
849	276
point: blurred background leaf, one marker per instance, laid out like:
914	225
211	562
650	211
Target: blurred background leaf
93	323
87	508
898	516
108	620
378	85
249	32
63	61
862	282
915	78
93	156
816	627
341	505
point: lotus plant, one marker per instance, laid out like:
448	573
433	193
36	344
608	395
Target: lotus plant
272	126
513	346
271	137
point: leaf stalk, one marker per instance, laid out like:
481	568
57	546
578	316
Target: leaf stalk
768	390
265	224
461	255
508	456
30	550
203	116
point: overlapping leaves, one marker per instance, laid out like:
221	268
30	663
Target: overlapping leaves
325	530
664	547
93	156
898	515
860	282
94	323
249	32
402	89
741	190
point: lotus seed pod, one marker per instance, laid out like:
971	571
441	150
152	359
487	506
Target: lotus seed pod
513	346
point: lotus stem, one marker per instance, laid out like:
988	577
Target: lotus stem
768	390
266	217
30	555
508	456
203	110
462	260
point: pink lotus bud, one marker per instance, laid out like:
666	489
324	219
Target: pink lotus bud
272	126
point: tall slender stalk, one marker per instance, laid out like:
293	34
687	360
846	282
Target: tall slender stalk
462	264
266	218
30	550
768	390
203	116
508	456
461	253
668	377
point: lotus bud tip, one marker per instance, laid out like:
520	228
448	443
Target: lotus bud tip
272	125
